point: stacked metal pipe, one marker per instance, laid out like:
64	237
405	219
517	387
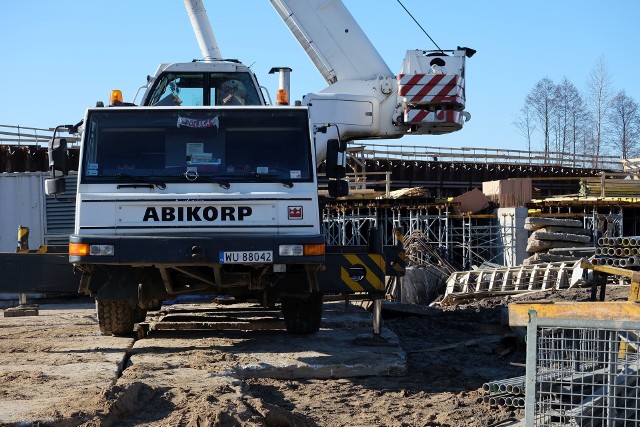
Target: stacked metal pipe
507	392
618	251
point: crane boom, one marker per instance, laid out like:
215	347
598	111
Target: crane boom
332	38
202	29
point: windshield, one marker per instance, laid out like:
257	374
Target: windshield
178	145
189	89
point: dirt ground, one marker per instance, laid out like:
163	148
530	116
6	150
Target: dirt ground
450	353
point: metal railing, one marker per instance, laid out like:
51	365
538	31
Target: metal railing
23	135
358	181
582	372
371	150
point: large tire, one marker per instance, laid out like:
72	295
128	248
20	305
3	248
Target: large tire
302	315
115	317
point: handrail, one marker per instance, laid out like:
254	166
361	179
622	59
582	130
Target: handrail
358	181
23	135
483	155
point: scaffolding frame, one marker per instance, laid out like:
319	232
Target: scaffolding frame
464	240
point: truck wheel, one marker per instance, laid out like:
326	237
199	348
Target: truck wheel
115	317
302	315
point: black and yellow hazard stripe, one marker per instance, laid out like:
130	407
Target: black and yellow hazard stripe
374	272
399	264
353	272
23	239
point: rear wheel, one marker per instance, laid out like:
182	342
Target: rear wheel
302	314
115	317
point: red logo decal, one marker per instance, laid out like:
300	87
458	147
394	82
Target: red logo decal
295	212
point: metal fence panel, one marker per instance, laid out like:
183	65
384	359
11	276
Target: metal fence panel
582	373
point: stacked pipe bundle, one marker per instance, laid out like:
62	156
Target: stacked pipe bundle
618	251
508	392
550	234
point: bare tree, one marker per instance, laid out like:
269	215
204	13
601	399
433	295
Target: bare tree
525	124
541	101
568	104
580	124
624	125
599	96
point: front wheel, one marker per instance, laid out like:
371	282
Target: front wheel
115	317
302	314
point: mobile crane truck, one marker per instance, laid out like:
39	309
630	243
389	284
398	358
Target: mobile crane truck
204	187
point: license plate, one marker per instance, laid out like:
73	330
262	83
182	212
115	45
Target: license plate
246	257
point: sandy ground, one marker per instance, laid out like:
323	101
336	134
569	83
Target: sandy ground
188	379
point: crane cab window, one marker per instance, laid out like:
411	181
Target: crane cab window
196	89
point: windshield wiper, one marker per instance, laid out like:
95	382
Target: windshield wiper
268	178
160	185
212	179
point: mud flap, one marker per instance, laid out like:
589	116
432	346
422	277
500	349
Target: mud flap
121	285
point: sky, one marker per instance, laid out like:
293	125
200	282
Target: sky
60	57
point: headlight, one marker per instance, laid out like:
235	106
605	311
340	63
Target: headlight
291	250
300	250
84	249
101	250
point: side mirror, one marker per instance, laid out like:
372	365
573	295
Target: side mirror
336	168
58	157
336	159
54	186
58	167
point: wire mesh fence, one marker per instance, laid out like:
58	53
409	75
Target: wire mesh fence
582	373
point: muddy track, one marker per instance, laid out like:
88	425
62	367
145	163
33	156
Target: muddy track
55	369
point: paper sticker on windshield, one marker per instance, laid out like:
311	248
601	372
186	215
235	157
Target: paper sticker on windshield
91	172
199	123
295	174
92	166
262	169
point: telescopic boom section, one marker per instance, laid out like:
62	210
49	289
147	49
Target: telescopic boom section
333	39
202	29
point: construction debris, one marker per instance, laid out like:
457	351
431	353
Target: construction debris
481	283
409	192
555	233
421	285
508	193
534	223
473	201
22	310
